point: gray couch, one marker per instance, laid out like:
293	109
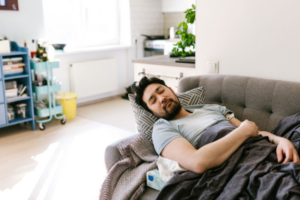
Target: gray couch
263	101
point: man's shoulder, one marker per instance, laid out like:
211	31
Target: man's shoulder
202	106
161	121
195	106
160	126
163	125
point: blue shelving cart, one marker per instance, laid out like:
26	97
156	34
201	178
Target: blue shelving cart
23	78
49	89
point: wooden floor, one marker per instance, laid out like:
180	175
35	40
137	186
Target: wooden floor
63	162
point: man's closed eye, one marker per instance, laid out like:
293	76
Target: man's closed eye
153	101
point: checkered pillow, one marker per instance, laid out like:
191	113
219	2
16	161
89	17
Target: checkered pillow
145	120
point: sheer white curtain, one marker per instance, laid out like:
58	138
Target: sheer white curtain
82	23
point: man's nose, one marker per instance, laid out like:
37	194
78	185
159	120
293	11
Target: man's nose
162	99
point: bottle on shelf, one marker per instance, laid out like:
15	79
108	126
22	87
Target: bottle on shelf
39	52
33	49
45	81
44	56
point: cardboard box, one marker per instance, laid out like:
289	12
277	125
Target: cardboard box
4	46
154	180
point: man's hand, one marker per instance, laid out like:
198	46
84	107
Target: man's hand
286	148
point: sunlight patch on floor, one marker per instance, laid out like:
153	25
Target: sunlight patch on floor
22	190
83	166
62	162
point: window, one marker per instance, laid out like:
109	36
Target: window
82	23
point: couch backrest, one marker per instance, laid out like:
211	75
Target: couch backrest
263	101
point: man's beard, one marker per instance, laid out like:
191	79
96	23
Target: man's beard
172	111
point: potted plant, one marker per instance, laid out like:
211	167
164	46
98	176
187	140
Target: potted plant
4	46
187	39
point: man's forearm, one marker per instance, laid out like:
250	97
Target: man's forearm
234	121
274	139
215	153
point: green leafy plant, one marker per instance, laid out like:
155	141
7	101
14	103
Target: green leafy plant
187	39
5	38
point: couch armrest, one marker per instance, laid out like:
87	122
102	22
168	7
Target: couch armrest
112	153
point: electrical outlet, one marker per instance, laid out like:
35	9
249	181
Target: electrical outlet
212	67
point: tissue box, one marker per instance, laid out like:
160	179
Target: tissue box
154	181
4	47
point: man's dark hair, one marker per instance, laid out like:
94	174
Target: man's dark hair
139	89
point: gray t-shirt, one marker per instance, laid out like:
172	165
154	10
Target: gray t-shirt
189	127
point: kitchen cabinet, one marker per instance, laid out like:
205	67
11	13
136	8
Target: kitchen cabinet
164	68
176	5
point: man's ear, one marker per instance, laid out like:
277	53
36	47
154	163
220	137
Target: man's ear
173	91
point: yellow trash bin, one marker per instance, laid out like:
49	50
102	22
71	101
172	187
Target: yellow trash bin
68	102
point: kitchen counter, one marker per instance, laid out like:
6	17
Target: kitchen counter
163	60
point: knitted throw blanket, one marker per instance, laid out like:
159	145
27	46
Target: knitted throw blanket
126	179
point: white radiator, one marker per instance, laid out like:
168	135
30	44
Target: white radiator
92	78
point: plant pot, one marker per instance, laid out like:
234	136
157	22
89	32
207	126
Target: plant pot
4	47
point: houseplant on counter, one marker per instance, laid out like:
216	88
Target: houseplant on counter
4	46
187	39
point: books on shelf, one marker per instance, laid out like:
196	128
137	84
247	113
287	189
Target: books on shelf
20	87
17	97
13	65
12	59
11	93
14	71
11	85
16	92
22	91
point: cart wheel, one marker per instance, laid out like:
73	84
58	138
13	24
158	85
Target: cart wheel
42	127
63	121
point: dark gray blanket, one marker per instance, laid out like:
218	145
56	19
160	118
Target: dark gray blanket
251	172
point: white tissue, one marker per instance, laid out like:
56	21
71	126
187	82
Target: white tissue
167	168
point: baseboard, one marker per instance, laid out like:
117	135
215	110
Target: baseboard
99	100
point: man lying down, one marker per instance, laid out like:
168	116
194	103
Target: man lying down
176	133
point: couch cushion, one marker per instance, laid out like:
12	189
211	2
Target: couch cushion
149	194
263	101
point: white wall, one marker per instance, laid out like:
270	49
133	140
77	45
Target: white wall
176	5
250	38
146	18
172	20
25	24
